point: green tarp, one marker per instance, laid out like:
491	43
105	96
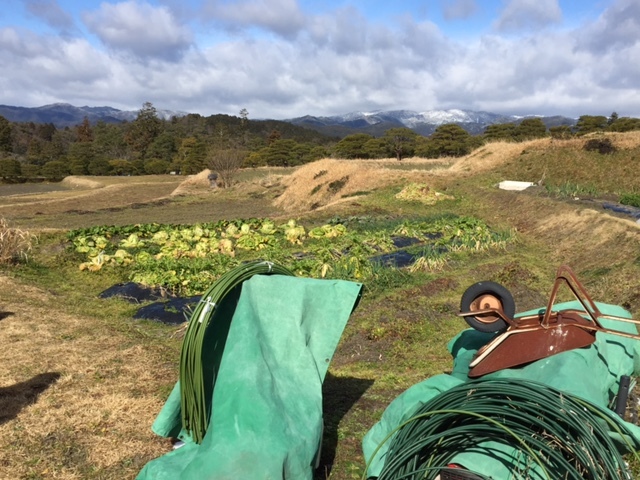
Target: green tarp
592	373
266	420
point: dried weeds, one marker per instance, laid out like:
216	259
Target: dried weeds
193	183
326	182
423	193
77	397
15	244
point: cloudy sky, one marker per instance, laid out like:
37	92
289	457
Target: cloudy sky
288	58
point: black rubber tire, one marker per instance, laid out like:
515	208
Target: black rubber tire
476	291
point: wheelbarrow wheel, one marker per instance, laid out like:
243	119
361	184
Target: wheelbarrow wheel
483	296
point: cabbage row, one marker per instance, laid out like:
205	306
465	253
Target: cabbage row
186	259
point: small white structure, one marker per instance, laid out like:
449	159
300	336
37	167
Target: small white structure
513	185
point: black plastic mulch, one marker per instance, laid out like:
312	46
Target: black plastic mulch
397	259
402	242
172	312
624	209
133	293
165	308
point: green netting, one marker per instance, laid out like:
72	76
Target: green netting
592	373
266	403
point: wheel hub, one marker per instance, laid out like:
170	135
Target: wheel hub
486	302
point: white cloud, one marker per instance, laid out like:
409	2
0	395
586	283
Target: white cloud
337	63
344	32
49	68
140	29
618	27
429	49
16	44
282	17
531	75
523	15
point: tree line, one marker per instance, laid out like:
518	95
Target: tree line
150	145
186	145
451	140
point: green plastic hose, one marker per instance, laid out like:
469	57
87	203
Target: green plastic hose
193	393
564	436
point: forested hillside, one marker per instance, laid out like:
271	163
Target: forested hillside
188	144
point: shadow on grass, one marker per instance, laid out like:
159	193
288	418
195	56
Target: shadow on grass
16	397
4	315
339	395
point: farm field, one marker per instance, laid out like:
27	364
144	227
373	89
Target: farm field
82	381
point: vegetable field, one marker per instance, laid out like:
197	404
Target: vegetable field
187	259
82	380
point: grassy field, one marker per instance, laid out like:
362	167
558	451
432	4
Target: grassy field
81	381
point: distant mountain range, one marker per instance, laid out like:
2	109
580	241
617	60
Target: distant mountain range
374	123
66	115
424	123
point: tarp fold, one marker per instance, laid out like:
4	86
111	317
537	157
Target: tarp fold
266	420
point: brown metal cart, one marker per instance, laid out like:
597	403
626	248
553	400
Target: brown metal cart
489	307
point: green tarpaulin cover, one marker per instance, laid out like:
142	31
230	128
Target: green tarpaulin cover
266	420
592	373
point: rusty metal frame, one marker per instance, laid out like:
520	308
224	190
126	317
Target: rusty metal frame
571	324
566	275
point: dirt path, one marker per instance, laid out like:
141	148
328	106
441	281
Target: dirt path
109	196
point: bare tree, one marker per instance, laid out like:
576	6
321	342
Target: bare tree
226	164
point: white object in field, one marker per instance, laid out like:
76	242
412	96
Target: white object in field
513	185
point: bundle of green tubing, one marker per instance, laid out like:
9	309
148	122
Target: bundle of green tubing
564	436
193	394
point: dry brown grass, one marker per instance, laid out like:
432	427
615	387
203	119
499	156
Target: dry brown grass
492	155
623	140
327	182
117	192
270	181
199	183
587	234
73	181
75	392
194	183
310	187
419	163
15	244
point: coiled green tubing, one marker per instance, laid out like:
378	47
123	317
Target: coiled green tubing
193	394
564	436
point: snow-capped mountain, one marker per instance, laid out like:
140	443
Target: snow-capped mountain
66	115
374	122
422	122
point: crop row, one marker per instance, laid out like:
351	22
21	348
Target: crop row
186	259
